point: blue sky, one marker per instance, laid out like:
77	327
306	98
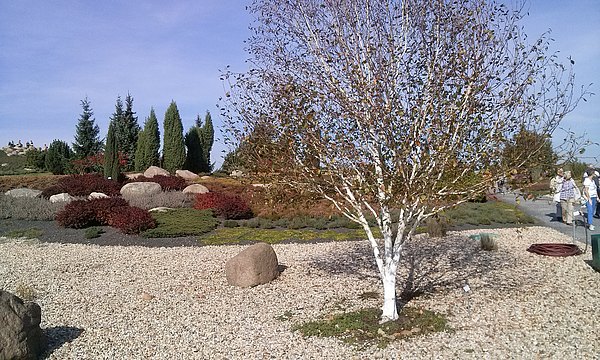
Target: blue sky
55	53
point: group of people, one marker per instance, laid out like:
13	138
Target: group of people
566	194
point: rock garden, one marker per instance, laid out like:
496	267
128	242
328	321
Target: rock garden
137	269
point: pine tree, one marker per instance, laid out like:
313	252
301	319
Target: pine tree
126	130
174	146
195	158
87	142
148	144
111	155
207	134
58	157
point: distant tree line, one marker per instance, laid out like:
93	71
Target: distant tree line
127	146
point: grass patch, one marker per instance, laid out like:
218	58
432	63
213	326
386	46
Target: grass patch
93	232
227	236
25	292
488	213
31	233
181	222
361	328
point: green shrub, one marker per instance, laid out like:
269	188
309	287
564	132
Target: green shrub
488	242
58	157
32	233
230	224
181	222
299	222
93	232
23	208
252	223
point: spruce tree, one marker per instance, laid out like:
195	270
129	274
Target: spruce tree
174	146
58	158
207	134
111	155
126	130
87	142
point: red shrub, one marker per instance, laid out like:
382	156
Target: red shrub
103	207
167	183
52	190
77	214
131	220
83	185
227	206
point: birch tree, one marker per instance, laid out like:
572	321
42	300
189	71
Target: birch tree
382	105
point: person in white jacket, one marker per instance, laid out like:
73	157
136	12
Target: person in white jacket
556	186
590	194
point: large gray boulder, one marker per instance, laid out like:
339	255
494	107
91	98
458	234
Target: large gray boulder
23	192
186	174
152	171
255	265
195	189
140	189
20	334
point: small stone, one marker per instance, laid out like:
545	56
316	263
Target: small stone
147	297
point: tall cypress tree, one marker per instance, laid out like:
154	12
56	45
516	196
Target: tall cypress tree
140	152
87	140
195	159
111	155
207	135
148	144
173	144
127	130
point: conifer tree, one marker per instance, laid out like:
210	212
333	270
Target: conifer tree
174	146
195	158
126	130
87	142
111	155
140	152
148	144
207	135
58	157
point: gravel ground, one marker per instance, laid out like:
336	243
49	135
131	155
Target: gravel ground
116	302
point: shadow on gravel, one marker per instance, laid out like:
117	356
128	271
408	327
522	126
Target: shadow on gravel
449	263
429	265
57	336
352	260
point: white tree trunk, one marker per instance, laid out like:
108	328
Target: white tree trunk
390	311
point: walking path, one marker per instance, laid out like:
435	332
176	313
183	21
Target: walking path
543	210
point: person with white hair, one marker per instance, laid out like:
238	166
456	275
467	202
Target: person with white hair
556	186
590	194
567	198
